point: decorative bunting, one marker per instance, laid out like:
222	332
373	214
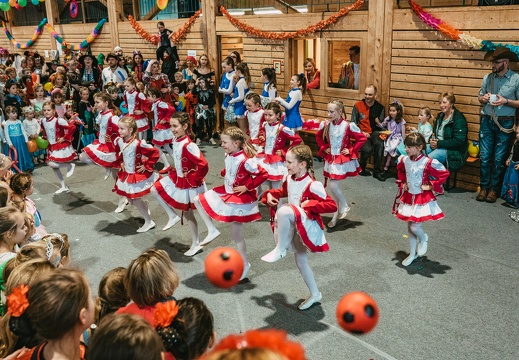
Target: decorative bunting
154	39
181	33
29	43
82	45
323	24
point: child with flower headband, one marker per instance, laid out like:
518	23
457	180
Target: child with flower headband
153	266
293	119
32	127
68	294
185	328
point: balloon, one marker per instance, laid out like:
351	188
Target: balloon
473	148
5	6
224	267
48	87
42	143
4	1
12	2
123	108
357	313
32	146
35	2
161	4
22	3
74	10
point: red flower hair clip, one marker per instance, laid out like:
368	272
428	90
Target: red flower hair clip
274	340
165	313
17	301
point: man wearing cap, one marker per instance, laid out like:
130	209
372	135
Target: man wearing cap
499	96
118	51
113	73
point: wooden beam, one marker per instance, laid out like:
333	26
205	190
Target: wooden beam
51	7
209	11
115	14
136	5
152	13
283	6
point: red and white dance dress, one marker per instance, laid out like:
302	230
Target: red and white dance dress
101	151
132	154
276	136
186	180
162	112
256	120
54	129
308	221
338	166
417	205
137	101
223	204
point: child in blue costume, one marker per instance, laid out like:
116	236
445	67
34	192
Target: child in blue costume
269	92
227	83
16	139
293	118
240	90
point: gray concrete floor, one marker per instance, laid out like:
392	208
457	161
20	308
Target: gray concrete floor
457	302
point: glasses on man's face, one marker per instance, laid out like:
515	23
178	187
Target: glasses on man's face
496	62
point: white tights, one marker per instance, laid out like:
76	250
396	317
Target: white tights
143	210
56	167
337	196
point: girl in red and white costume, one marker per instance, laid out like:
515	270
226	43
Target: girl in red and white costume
340	155
185	181
138	106
298	226
102	151
234	202
162	135
418	177
60	152
135	159
255	118
276	135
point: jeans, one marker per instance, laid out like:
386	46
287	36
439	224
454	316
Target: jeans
493	150
438	154
374	145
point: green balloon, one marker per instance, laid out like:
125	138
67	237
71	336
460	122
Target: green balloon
42	143
5	6
22	3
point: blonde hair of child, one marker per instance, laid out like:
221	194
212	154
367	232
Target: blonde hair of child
8	222
132	125
151	278
339	106
236	134
304	153
427	112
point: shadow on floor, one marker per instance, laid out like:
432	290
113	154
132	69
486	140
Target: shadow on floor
199	282
421	266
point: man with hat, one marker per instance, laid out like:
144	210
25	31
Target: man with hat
113	73
118	51
499	96
89	74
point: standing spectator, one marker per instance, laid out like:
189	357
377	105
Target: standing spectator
313	76
499	96
89	75
367	113
113	73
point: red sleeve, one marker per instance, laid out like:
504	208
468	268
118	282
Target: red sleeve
222	173
69	129
152	156
320	141
259	177
294	140
321	206
276	193
145	103
400	168
439	173
118	156
200	166
316	82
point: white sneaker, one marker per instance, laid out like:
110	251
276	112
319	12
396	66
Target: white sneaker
122	205
146	227
71	171
343	214
61	190
171	223
274	256
307	304
212	141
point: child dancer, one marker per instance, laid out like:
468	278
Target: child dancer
276	135
293	118
204	114
16	139
396	124
240	90
234	202
307	199
136	176
39	100
255	118
424	123
60	153
228	82
87	117
418	177
162	135
340	155
138	106
185	181
509	190
33	128
269	92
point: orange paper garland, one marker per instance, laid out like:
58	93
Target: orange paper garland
323	24
181	33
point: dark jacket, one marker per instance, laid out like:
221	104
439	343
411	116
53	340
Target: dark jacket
454	139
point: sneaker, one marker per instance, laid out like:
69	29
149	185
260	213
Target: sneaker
212	141
482	195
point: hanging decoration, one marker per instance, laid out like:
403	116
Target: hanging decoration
323	24
161	4
73	9
6	5
449	31
82	45
29	43
181	33
154	39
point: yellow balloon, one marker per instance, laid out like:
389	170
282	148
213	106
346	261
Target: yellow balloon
47	87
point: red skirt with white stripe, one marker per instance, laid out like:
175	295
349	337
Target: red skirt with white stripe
336	168
64	155
219	210
101	154
142	123
177	198
419	207
162	137
134	186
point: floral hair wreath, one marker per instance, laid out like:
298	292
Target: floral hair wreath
49	246
274	340
17	301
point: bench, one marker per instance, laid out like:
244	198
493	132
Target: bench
454	175
308	137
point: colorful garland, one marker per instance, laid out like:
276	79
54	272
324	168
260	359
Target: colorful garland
323	24
449	31
82	45
181	33
29	43
154	39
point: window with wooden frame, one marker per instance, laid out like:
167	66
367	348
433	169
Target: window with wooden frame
344	68
303	49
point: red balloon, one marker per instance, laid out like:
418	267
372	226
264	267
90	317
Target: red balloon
357	313
224	267
32	146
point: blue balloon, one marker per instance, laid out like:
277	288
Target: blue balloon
35	2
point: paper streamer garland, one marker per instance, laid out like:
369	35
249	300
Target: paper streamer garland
323	24
154	39
449	31
181	33
82	45
29	43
